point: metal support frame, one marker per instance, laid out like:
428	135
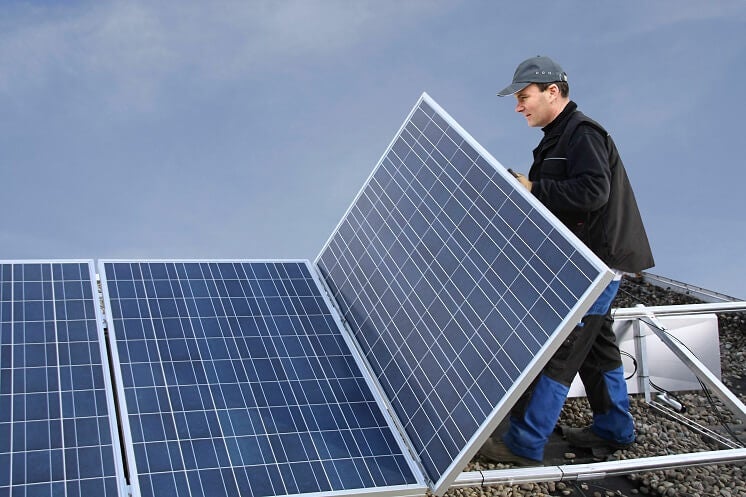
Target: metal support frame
679	287
641	355
595	471
677	310
699	369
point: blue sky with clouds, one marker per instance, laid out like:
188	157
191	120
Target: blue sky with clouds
243	129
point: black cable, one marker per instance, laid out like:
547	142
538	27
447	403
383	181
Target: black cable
705	390
577	487
725	425
669	394
634	362
597	487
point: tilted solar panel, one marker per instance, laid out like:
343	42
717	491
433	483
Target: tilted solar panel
57	428
237	380
457	285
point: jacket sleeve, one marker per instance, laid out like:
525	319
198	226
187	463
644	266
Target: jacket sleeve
585	184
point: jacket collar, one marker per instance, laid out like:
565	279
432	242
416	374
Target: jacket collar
561	118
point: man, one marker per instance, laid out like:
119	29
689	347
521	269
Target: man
578	174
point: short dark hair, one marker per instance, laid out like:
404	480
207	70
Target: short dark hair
564	88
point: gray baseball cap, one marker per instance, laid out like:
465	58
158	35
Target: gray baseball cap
537	69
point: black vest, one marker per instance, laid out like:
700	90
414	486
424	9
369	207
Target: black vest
614	232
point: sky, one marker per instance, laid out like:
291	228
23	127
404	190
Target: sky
244	129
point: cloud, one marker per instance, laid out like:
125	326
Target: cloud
628	21
663	14
109	52
128	54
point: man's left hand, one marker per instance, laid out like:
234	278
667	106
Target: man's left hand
524	181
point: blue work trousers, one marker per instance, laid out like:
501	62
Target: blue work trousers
591	351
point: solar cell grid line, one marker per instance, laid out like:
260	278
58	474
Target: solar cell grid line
58	431
457	285
237	379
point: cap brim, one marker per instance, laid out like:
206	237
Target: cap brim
514	88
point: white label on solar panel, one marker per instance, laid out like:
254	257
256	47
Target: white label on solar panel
58	429
236	379
457	284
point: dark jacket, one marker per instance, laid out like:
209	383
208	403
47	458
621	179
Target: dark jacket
578	174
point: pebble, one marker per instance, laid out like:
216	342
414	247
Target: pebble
656	435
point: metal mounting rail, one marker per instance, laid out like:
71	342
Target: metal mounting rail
686	289
595	471
677	310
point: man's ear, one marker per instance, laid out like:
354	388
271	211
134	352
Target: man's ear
554	91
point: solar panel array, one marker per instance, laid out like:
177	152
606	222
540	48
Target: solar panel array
56	418
238	381
455	283
233	378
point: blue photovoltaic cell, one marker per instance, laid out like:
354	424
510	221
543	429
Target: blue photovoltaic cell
238	381
453	282
55	424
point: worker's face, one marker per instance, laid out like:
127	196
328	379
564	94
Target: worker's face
536	106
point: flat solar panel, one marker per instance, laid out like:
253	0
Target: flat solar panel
237	380
457	285
57	429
